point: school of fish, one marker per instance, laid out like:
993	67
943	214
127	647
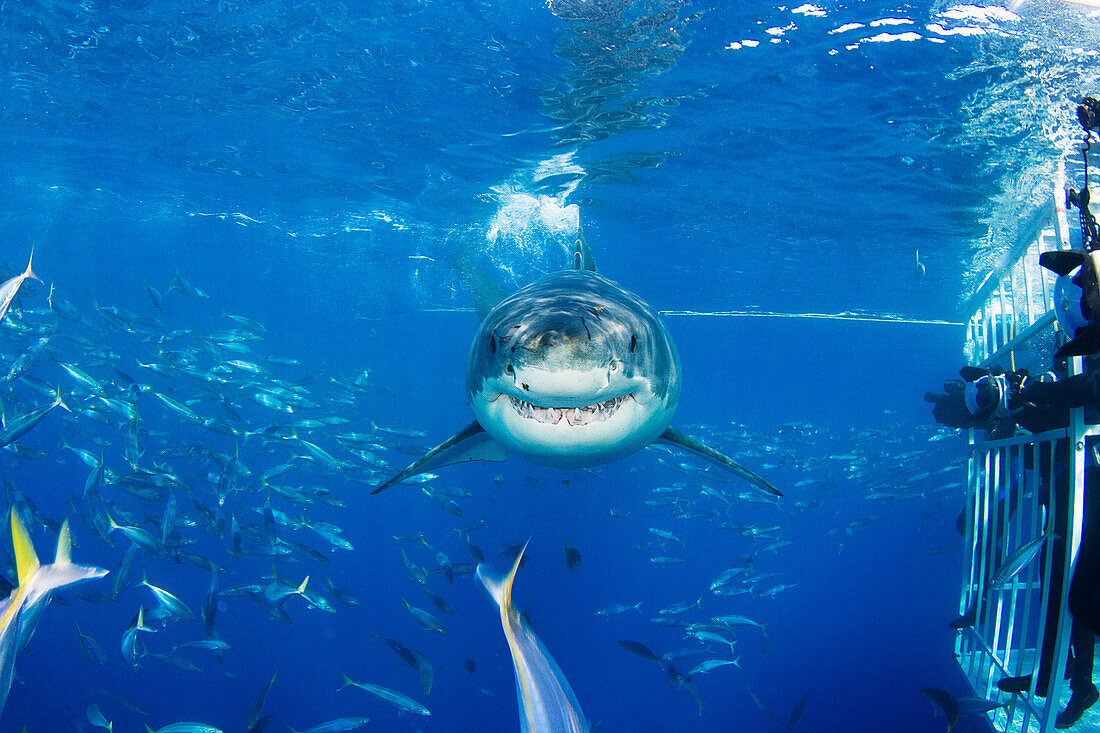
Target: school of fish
259	455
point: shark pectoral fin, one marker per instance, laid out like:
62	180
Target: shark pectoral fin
691	445
471	443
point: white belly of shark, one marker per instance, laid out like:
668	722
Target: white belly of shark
571	371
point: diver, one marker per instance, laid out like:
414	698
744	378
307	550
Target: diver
998	402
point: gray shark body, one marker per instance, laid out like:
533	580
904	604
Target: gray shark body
571	371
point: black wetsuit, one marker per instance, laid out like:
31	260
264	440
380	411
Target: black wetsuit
1049	408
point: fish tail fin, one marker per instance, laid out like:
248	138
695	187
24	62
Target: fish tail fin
302	588
58	400
346	681
29	272
64	553
26	561
63	571
141	620
501	589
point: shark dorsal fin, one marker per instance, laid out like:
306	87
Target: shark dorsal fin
582	255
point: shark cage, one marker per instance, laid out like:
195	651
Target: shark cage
1022	488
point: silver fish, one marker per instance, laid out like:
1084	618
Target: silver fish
11	287
1020	559
391	697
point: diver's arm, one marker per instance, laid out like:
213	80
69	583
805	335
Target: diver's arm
1076	391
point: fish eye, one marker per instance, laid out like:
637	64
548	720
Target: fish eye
508	369
633	342
614	366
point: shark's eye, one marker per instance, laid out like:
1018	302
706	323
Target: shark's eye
633	342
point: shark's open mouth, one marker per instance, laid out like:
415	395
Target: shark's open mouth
572	415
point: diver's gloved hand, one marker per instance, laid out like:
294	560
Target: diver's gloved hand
1015	388
1040	389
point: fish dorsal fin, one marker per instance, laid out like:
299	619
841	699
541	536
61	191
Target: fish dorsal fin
64	546
26	561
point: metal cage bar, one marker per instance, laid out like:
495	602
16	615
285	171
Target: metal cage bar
1018	489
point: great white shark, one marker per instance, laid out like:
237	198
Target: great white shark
571	371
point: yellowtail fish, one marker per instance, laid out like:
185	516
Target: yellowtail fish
169	602
546	701
403	703
11	287
184	727
97	720
339	725
14	429
20	611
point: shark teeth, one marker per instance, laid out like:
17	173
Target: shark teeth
571	415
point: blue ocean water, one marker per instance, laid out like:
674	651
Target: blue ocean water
342	173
